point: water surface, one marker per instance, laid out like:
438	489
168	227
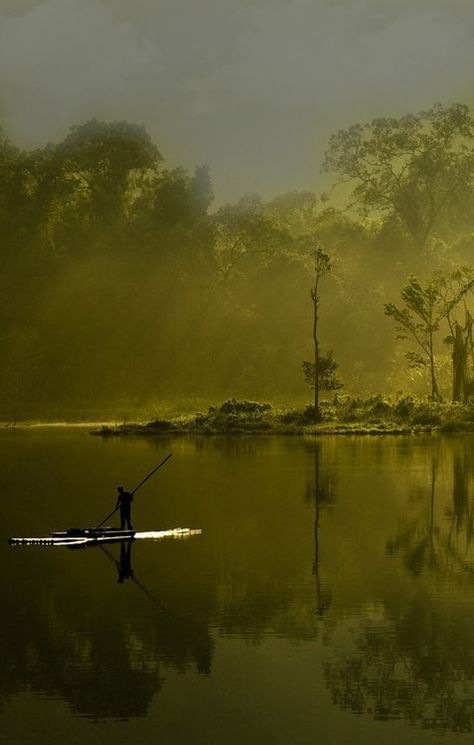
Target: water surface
329	599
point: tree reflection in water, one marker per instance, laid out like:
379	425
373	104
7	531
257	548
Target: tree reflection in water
415	660
104	652
395	643
320	489
413	667
437	533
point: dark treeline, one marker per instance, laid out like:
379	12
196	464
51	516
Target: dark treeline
124	287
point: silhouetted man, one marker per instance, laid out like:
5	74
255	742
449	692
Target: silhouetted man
124	501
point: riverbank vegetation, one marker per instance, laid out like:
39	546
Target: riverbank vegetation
341	415
125	286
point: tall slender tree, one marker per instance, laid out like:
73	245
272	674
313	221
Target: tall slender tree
321	372
418	321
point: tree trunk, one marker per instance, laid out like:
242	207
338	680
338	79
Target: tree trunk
314	296
460	374
435	396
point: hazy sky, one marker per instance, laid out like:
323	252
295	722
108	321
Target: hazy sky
252	87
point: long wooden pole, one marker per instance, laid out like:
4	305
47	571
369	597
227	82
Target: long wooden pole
151	473
154	470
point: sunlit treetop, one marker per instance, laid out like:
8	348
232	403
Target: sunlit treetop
415	170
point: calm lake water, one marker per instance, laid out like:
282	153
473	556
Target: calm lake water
329	599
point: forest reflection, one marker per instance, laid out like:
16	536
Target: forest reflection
360	547
436	532
102	652
413	658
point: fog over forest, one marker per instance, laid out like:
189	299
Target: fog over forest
127	290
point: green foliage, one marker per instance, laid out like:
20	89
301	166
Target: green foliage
234	416
404	407
298	417
343	415
232	406
326	368
426	417
421	315
416	170
424	309
161	425
321	261
122	288
245	231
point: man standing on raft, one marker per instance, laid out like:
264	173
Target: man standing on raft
124	501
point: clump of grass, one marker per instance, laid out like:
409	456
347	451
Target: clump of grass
297	417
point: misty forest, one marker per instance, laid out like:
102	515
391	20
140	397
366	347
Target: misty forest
127	291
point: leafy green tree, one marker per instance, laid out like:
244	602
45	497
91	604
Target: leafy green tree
419	319
416	170
245	230
322	374
84	227
73	196
100	156
170	218
92	181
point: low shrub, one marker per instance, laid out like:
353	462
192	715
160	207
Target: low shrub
160	425
426	418
299	417
233	406
404	407
351	410
378	407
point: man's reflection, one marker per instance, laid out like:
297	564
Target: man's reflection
124	566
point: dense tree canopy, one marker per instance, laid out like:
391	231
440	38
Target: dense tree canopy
417	170
124	287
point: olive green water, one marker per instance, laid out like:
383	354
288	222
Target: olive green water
330	598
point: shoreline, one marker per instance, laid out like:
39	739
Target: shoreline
138	431
343	415
30	424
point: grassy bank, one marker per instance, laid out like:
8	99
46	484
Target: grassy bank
340	415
